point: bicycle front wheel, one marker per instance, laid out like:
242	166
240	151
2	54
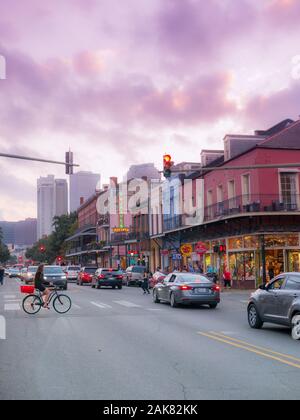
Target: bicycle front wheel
62	304
32	304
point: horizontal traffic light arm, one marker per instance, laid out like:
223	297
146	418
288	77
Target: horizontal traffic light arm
36	159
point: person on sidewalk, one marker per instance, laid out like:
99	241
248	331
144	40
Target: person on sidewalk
145	284
2	271
227	278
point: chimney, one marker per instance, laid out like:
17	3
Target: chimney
81	200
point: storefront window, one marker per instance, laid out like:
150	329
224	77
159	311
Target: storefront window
251	242
292	240
235	243
274	263
273	241
293	261
242	266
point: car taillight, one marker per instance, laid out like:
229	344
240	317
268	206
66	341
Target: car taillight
101	276
185	287
120	277
215	288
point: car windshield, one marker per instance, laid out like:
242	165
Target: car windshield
191	278
32	269
73	268
53	270
138	269
90	270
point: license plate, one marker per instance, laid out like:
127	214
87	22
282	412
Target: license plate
201	291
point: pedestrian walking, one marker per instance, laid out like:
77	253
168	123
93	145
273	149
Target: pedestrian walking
145	284
2	271
227	278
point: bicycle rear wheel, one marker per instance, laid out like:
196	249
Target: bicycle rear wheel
62	304
32	304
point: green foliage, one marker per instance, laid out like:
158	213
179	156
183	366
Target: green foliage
64	226
4	251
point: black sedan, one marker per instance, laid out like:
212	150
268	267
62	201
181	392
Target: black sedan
187	289
107	277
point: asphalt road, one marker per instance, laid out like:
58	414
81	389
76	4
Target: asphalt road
118	344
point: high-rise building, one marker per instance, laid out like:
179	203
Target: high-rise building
147	170
52	200
83	185
19	233
61	197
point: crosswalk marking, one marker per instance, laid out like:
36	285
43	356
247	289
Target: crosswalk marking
11	307
101	305
9	296
127	304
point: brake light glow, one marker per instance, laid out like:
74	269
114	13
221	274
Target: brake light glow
101	276
120	277
185	287
215	288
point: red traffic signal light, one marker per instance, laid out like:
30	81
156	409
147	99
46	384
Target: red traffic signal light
42	248
223	248
59	259
167	165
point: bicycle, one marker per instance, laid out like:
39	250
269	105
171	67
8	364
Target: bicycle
33	303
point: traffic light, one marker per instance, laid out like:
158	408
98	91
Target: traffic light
220	249
69	163
167	165
42	248
59	259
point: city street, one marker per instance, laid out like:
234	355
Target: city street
118	344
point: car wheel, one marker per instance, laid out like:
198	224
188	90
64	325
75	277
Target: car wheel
296	327
93	286
254	319
173	302
155	297
113	287
213	305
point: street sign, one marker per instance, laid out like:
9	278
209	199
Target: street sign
186	250
200	248
176	257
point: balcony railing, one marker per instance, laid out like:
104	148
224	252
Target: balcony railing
264	203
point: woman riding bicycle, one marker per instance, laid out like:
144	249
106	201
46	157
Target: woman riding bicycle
39	284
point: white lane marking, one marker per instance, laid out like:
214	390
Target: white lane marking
101	305
153	309
12	307
12	300
2	328
244	301
10	296
76	306
127	304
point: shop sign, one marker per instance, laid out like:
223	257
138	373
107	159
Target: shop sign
164	252
200	248
120	230
186	250
176	257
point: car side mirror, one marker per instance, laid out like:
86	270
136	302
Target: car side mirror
263	287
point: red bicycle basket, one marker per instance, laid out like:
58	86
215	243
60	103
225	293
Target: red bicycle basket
27	289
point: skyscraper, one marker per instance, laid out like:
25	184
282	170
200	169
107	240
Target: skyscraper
52	200
82	186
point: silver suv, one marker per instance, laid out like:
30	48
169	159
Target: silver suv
134	275
277	302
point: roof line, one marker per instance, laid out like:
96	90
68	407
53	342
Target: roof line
280	132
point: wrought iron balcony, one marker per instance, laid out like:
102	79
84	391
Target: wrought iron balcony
263	203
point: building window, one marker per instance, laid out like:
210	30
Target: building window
209	203
288	184
231	194
246	189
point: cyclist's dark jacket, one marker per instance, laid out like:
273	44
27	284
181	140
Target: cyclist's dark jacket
39	282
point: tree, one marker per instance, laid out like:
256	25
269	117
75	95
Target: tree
4	251
49	248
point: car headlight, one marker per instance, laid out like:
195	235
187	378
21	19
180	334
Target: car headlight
45	278
64	277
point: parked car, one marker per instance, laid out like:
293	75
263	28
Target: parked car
54	276
29	275
72	272
157	277
108	277
277	302
85	275
13	272
187	288
134	275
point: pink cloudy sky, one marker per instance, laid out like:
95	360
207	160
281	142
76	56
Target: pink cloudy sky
121	82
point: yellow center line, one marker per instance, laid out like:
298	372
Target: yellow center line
251	350
286	356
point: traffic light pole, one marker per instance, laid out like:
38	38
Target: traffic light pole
6	155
